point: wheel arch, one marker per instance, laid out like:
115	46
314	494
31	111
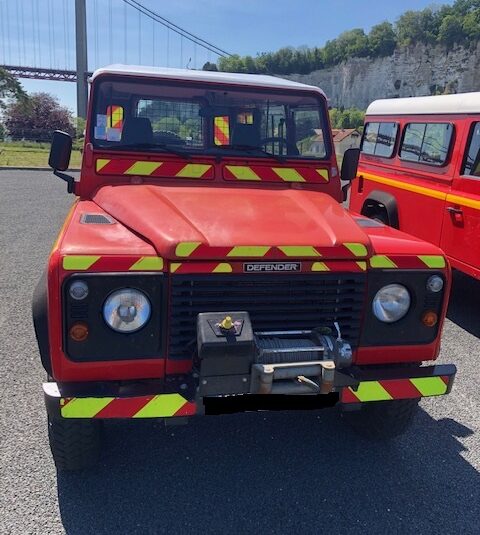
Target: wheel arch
40	321
376	198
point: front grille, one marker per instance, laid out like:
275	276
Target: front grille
274	302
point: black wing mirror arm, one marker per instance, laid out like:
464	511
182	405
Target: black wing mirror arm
70	180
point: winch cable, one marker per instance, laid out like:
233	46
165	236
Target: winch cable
266	343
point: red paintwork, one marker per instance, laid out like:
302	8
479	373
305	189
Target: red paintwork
425	215
169	215
154	214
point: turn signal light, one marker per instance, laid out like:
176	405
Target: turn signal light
78	332
430	319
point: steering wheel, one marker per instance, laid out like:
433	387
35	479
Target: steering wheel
274	139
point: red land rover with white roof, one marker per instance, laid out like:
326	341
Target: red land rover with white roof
420	172
208	263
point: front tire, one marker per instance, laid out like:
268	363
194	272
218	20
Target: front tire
382	420
75	444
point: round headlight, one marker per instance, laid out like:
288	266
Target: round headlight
391	303
78	290
127	310
435	284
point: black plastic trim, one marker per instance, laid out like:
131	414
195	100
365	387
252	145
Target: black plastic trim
390	203
40	321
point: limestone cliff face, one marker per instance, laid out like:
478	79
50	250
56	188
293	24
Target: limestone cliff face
411	71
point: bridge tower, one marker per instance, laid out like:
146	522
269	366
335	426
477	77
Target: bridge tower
81	54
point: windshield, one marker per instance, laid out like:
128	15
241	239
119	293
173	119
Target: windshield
176	118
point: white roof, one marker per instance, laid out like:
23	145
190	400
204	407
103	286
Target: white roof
206	76
441	104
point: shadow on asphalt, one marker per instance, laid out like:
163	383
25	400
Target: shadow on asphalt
274	473
464	303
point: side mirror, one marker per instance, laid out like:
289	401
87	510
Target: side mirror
60	151
350	164
59	158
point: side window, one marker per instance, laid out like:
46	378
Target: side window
379	139
472	160
370	138
426	143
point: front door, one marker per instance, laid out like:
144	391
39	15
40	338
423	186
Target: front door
461	229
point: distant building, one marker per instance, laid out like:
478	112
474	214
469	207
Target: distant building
343	139
346	138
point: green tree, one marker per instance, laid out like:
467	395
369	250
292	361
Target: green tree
418	27
332	53
10	87
353	44
2	132
346	118
208	66
451	30
382	40
471	25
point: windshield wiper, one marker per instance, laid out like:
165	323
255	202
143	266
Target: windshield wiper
252	150
162	147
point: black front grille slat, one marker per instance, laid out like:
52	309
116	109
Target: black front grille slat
274	302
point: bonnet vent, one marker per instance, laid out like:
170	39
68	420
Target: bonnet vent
96	219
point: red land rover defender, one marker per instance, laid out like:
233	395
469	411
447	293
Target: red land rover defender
208	262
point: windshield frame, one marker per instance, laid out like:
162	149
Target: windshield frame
206	150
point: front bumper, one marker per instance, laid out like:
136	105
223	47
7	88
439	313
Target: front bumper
179	396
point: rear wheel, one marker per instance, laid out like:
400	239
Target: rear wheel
383	419
75	444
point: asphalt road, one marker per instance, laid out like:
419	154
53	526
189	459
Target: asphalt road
249	473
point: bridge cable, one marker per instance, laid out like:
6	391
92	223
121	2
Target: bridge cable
34	38
125	33
153	41
95	18
37	18
22	24
175	28
7	19
139	38
2	19
110	30
65	43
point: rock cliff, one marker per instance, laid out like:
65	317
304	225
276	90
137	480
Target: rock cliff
411	71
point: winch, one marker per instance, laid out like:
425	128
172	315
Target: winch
235	359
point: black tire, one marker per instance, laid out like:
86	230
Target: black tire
75	444
381	420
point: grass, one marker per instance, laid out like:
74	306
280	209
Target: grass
25	154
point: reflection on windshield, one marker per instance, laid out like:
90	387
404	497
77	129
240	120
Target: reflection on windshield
194	120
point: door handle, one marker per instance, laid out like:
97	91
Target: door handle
454	211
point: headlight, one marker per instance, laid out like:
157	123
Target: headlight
127	310
391	303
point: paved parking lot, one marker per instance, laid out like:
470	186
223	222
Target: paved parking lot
248	473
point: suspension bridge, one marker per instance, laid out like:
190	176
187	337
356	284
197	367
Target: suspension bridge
64	40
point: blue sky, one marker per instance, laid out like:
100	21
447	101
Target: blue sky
243	27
